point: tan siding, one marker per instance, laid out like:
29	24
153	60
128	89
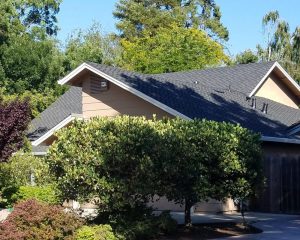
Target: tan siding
210	206
276	90
116	101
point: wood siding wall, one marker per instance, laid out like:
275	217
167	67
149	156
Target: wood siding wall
115	101
282	172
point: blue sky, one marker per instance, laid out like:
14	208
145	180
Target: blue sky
241	17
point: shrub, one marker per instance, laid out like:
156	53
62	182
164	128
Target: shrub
142	224
17	171
97	232
39	221
21	166
44	194
128	160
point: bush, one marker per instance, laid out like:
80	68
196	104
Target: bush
17	172
39	221
141	224
128	160
97	232
44	194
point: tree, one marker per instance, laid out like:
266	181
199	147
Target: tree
195	168
38	101
171	49
128	160
282	44
246	57
135	16
30	62
21	16
91	45
14	119
115	167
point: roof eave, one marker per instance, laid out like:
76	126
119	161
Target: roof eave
289	78
60	125
280	140
86	66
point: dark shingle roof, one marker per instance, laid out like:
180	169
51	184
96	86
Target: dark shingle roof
243	78
69	103
219	94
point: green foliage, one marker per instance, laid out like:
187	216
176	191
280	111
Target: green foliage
30	62
127	160
17	172
171	49
141	223
38	101
23	16
112	167
136	16
282	44
96	232
84	46
91	45
246	57
46	194
34	220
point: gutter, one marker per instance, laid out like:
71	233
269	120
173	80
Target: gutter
280	140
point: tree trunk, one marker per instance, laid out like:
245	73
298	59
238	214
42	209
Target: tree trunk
187	213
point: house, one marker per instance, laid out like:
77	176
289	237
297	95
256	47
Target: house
259	96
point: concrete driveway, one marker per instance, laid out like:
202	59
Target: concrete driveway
274	226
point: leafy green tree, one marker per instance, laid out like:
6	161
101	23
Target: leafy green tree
195	168
114	168
128	160
22	16
135	16
38	101
171	49
246	57
282	44
91	45
30	61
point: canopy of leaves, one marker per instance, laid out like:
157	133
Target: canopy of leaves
171	49
14	120
30	63
127	160
282	44
21	16
17	171
38	101
136	16
246	57
91	45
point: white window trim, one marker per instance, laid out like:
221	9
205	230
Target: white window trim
262	81
145	97
56	128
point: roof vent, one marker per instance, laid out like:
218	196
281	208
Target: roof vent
253	103
196	82
265	108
